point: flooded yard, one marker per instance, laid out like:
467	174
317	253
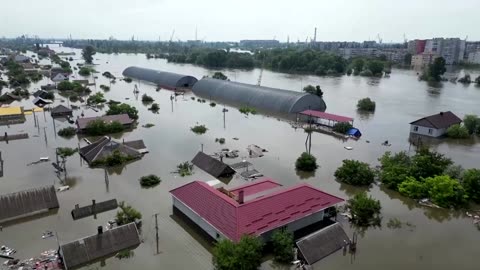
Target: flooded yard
440	239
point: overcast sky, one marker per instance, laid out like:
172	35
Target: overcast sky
224	20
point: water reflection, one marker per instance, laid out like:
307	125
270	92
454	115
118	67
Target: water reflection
304	175
352	190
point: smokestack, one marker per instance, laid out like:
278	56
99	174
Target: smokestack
100	230
241	197
315	36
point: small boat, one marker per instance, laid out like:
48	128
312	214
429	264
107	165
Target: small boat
348	147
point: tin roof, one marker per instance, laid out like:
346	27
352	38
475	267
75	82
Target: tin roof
327	116
438	121
212	166
256	216
4	111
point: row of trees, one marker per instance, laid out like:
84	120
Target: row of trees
367	67
214	58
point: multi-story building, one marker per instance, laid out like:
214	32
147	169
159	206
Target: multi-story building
474	57
471	47
348	53
420	61
416	46
451	49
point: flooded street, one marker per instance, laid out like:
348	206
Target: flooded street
440	239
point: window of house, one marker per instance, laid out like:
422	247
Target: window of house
415	128
430	131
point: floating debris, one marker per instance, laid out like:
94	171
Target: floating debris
63	188
42	159
348	147
6	251
255	150
47	234
426	202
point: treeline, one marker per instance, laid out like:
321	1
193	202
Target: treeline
214	58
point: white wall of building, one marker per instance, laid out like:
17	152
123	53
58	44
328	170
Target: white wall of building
431	132
209	229
474	57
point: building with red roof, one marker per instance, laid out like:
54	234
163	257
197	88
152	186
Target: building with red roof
256	209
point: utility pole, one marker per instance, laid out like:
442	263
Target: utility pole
156	231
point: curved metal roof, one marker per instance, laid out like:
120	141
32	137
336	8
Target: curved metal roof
263	98
164	79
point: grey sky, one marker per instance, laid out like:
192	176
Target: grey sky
223	20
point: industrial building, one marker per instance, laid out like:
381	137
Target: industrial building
266	99
167	80
256	209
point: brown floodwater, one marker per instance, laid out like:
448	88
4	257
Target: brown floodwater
439	239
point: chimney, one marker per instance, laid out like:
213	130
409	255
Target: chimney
100	230
240	196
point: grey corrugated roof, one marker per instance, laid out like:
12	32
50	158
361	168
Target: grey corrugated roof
164	79
100	207
438	121
28	202
263	98
89	249
212	166
60	109
138	144
322	243
105	147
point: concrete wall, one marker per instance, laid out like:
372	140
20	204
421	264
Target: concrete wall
209	229
425	131
296	225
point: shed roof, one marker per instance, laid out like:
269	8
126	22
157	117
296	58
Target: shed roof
164	79
89	249
4	111
60	109
322	243
100	207
256	216
327	116
438	121
123	119
28	202
211	165
262	98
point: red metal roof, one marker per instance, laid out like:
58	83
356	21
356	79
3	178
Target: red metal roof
256	187
258	215
327	116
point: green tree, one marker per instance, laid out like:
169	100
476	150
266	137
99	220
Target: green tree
96	98
376	67
122	108
413	189
67	132
342	127
87	53
314	90
458	132
445	191
437	69
472	123
354	172
65	152
85	71
283	244
147	99
149	181
366	104
358	64
365	210
407	60
244	255
220	76
394	169
306	162
127	214
426	163
471	183
99	127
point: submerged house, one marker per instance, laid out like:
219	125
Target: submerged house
271	100
167	80
123	119
90	249
434	125
27	203
61	111
105	147
11	115
257	208
212	166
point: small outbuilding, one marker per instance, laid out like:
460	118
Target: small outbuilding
212	166
167	80
61	111
434	125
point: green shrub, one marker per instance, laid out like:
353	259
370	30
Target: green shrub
471	183
458	132
220	140
85	71
149	181
154	108
365	210
283	244
96	98
220	76
128	80
354	172
472	123
445	191
199	129
244	255
185	169
108	75
127	214
306	162
213	104
117	158
67	132
105	88
247	110
122	108
99	127
342	127
147	99
366	104
412	188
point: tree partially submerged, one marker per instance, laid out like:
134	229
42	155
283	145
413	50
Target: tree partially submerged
306	162
283	244
354	172
87	53
366	104
342	127
365	210
219	76
149	181
458	132
67	132
314	90
122	108
199	129
244	255
127	214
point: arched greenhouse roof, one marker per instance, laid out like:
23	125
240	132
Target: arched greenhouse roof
259	97
163	79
